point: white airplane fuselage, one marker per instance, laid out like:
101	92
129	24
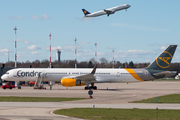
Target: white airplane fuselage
56	74
113	10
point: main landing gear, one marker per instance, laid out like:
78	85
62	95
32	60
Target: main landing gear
91	87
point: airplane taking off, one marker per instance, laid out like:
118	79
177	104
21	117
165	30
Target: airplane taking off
105	11
84	76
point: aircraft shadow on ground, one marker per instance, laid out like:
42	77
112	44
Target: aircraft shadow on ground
119	89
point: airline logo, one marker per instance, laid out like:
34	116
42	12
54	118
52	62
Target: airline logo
164	61
20	73
85	11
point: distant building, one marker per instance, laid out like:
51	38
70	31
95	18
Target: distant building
58	55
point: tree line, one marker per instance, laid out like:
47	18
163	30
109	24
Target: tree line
102	63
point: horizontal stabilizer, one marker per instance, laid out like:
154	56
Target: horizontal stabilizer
163	73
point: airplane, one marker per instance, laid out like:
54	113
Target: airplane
105	11
84	76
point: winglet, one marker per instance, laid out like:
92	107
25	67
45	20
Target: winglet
94	70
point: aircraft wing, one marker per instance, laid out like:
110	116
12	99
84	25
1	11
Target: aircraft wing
87	77
107	11
78	80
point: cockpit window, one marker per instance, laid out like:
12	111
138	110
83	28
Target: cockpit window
7	72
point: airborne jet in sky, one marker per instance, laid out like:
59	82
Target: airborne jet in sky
105	11
84	76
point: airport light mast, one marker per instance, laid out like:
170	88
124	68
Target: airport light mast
50	51
75	54
8	56
113	60
95	53
15	48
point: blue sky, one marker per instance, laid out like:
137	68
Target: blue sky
138	35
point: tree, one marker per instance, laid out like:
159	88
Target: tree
131	64
103	62
90	65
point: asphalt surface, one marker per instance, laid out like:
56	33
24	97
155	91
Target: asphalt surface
108	95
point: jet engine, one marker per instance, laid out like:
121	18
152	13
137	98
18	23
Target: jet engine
69	82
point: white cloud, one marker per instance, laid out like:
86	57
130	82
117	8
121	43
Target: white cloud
35	53
56	48
43	17
139	27
4	50
23	41
83	43
35	17
163	47
133	53
16	17
68	48
33	47
137	51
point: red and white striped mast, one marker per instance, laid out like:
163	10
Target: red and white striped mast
95	53
75	54
15	48
113	60
50	52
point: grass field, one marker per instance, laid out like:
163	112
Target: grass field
120	114
37	99
173	98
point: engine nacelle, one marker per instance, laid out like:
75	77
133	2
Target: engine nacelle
69	82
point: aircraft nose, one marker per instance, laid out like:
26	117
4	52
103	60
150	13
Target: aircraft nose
3	77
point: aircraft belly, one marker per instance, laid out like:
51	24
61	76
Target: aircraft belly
96	14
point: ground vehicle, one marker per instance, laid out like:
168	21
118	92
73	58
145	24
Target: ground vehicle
31	84
8	85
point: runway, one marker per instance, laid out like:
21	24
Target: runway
108	96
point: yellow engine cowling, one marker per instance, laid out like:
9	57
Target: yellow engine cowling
69	82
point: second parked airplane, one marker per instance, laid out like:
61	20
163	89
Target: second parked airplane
80	76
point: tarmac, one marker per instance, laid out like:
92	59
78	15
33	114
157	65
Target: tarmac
108	95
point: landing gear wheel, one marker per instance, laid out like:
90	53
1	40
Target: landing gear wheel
95	87
86	88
